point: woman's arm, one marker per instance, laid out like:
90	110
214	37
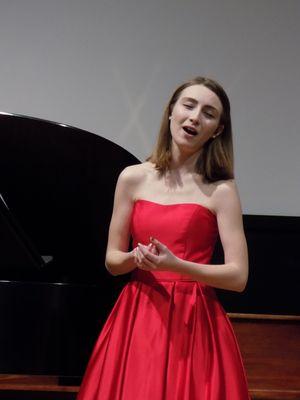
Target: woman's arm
118	260
233	274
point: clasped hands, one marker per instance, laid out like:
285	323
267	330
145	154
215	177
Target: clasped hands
154	256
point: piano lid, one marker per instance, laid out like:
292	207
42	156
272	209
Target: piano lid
59	182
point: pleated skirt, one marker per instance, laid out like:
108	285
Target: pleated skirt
166	340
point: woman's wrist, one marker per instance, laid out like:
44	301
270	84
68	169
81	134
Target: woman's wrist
120	262
176	264
131	257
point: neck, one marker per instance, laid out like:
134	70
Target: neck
183	162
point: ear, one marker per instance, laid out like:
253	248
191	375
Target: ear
220	129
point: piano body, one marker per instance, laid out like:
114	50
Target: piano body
58	182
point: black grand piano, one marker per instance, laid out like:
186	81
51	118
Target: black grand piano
57	185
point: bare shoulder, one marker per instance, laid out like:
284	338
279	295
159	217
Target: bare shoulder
224	187
134	175
226	196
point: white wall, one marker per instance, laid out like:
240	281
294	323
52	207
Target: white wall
110	66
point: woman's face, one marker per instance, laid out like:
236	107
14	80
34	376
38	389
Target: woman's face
195	118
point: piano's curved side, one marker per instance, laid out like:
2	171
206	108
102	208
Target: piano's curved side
58	182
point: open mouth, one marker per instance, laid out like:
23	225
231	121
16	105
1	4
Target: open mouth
189	130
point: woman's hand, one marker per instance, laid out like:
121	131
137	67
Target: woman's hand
155	256
139	257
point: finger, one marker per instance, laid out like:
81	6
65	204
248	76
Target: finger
147	266
144	262
144	250
143	246
157	243
152	248
146	253
139	256
134	255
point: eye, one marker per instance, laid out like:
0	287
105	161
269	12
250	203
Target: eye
188	106
209	115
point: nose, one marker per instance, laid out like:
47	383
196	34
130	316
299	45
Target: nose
195	116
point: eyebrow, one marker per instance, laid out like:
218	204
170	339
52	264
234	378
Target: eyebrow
191	99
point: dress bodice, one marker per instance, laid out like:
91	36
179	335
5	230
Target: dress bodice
189	230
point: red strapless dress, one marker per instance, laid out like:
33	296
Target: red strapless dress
167	337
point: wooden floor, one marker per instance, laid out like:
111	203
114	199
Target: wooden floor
35	387
270	347
21	387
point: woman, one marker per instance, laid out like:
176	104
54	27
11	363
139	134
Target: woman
168	337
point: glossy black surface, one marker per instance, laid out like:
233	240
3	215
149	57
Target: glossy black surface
59	184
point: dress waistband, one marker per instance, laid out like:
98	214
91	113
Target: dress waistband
152	279
159	276
159	279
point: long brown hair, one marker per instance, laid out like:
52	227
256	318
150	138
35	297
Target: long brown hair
215	161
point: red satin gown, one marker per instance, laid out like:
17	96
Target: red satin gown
167	337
